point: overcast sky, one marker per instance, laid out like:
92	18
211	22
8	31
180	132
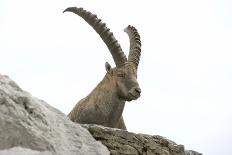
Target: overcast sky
185	70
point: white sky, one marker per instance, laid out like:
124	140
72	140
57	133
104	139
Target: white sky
185	70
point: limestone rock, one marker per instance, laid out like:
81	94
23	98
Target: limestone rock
121	142
23	151
30	125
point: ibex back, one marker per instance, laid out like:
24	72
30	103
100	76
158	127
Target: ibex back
105	104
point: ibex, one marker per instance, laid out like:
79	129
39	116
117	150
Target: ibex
105	104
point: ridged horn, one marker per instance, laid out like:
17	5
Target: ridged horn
104	32
135	45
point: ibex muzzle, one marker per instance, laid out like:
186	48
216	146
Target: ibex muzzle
105	104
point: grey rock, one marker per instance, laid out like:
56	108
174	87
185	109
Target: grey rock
30	125
23	151
122	142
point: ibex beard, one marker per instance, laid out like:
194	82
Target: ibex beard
105	104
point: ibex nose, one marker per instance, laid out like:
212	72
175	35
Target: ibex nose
138	90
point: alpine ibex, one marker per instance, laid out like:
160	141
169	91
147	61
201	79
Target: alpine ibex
105	104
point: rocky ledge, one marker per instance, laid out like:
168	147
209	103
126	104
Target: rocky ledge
121	142
29	126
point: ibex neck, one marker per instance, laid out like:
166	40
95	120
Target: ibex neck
105	97
106	91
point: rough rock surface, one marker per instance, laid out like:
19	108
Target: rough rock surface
23	151
31	126
121	142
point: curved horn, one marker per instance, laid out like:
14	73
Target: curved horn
135	45
107	36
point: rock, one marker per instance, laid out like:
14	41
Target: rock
121	142
23	151
31	126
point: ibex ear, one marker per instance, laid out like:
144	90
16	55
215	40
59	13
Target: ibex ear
108	68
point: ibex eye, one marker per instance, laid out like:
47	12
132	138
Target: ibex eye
121	75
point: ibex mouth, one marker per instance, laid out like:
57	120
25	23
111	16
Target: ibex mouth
132	96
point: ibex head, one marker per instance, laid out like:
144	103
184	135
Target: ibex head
124	75
125	78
